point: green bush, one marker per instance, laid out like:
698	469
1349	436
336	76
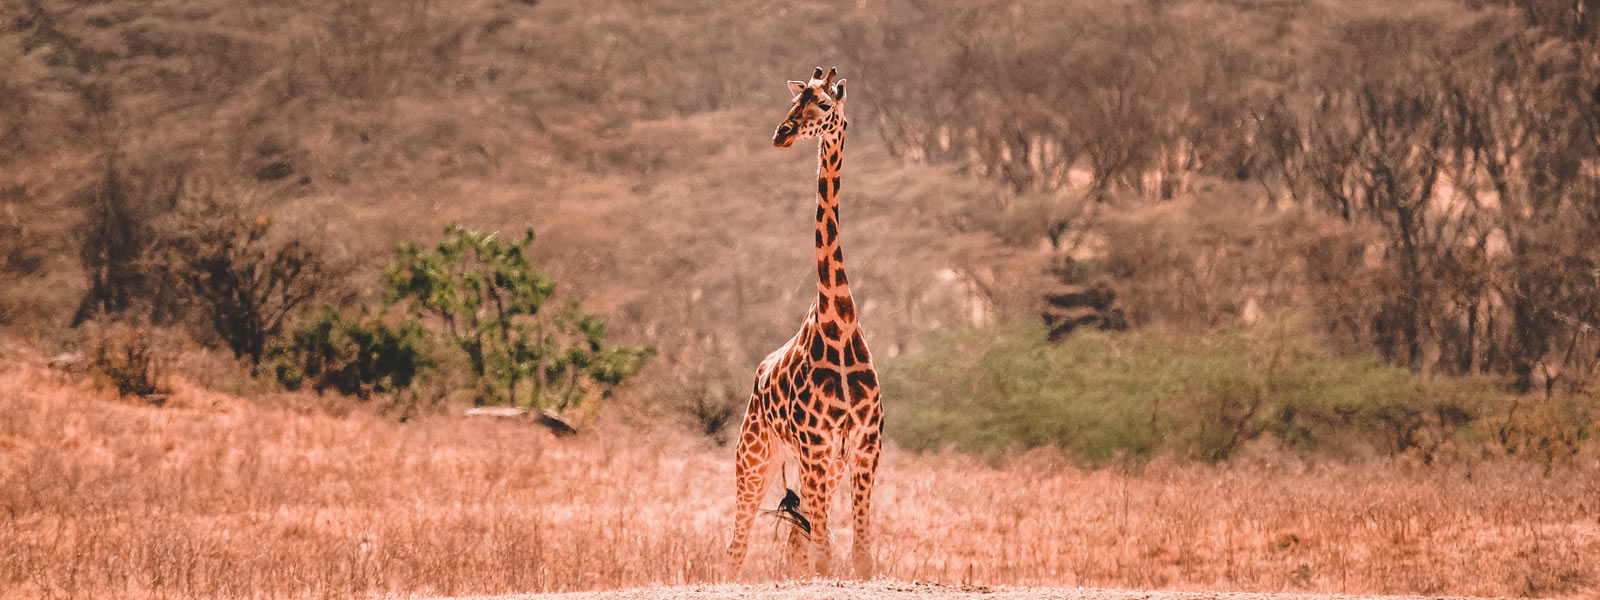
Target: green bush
354	356
485	295
1097	395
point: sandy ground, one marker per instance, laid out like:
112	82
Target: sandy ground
896	590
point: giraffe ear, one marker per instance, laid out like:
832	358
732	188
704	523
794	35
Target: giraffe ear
796	86
838	90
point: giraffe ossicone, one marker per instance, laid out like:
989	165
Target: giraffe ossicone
816	398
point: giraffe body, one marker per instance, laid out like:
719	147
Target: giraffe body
816	398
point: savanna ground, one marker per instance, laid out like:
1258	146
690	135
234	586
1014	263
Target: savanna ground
214	496
895	590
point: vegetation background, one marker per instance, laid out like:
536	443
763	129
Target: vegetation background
1343	234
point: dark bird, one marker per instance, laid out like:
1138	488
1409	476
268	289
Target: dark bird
789	511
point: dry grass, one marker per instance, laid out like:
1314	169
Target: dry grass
213	496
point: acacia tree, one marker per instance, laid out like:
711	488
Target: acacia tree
1525	109
1461	136
485	294
1365	133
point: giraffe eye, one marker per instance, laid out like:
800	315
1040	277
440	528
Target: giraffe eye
824	106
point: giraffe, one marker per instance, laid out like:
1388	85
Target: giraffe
816	397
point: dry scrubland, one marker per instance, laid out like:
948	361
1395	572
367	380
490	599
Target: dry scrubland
1218	164
214	496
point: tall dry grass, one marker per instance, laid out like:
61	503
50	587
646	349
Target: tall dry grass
212	496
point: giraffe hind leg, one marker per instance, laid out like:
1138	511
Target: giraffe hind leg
752	471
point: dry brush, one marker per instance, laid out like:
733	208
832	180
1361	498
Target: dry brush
213	496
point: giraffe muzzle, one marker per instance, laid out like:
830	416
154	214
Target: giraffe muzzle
785	135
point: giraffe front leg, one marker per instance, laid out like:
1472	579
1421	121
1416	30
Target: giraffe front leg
864	469
751	469
817	460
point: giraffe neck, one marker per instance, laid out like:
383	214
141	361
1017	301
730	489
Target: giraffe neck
834	303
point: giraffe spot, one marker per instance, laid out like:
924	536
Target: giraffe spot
818	401
823	303
866	411
826	383
823	268
817	347
846	308
862	383
836	414
836	178
833	355
821	213
810	439
858	347
838	276
830	329
819	238
838	254
833	230
822	188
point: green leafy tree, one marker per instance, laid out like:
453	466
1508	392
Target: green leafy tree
494	305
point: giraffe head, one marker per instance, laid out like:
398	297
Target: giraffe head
818	109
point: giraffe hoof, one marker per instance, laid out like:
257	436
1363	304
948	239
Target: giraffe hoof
864	566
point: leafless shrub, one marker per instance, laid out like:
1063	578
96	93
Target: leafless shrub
125	357
122	206
713	412
237	270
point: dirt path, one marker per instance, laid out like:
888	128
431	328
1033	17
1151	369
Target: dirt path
894	590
